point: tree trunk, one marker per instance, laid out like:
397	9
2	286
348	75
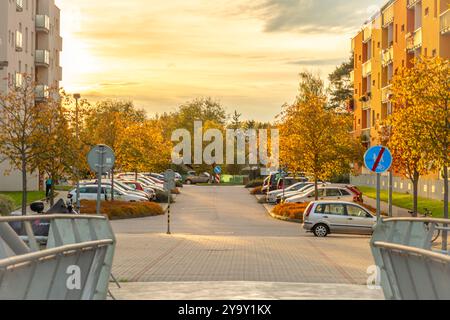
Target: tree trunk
445	233
415	182
112	184
24	187
316	188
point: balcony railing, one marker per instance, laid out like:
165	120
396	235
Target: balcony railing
388	16
19	41
41	93
387	56
445	22
367	33
365	135
365	105
414	40
366	69
352	76
19	5
42	58
42	23
386	94
412	3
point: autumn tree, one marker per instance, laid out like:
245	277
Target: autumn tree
59	151
426	86
21	129
314	139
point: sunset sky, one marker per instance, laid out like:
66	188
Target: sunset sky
245	53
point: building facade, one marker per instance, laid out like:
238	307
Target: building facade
30	43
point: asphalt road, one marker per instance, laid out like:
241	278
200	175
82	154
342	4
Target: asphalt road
222	235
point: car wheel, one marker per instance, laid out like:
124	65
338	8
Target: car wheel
188	182
321	231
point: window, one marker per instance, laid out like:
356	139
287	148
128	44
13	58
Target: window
334	209
403	28
321	193
345	192
427	11
91	190
83	190
435	8
354	211
333	193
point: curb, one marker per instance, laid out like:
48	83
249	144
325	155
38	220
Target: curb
277	217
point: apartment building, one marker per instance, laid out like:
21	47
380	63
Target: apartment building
30	43
389	41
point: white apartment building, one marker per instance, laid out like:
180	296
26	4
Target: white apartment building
30	43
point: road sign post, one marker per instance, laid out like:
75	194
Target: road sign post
169	184
378	159
101	160
218	172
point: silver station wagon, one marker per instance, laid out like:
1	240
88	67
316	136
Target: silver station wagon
325	217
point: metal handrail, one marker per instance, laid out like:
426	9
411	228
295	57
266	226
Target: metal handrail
51	217
419	219
413	250
53	252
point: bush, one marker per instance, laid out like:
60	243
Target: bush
257	190
6	205
116	210
291	210
179	184
255	183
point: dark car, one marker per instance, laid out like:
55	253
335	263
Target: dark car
194	179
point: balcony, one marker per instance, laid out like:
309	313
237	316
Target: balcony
388	16
19	5
365	135
386	94
42	58
18	80
366	69
387	56
19	41
42	23
365	104
414	41
367	33
412	3
352	76
445	23
41	93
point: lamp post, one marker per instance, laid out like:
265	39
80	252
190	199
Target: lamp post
77	97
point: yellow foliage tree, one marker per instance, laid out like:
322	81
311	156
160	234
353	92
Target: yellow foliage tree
314	139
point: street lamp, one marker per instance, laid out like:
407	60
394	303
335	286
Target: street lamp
77	97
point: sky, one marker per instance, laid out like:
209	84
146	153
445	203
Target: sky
245	53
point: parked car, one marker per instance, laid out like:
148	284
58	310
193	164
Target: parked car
282	197
284	183
270	183
324	193
325	217
140	187
272	195
205	177
120	186
89	192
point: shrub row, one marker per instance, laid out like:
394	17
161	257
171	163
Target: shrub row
291	210
257	190
116	210
255	183
6	205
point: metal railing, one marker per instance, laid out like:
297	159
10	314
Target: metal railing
445	22
367	68
42	23
414	40
73	242
42	58
411	265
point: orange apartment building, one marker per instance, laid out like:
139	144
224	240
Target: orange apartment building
401	31
389	41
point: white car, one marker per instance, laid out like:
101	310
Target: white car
325	193
272	195
281	198
89	192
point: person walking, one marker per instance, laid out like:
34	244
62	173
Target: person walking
48	188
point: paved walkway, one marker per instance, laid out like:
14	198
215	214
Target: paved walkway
222	236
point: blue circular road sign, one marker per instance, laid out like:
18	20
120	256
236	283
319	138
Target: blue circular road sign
378	159
218	170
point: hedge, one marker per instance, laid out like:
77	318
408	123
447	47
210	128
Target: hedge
116	210
255	183
6	205
291	210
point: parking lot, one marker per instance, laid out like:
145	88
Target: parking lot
221	234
